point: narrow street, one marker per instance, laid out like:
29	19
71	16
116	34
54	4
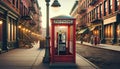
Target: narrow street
103	58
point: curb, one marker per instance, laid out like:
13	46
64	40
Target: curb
96	67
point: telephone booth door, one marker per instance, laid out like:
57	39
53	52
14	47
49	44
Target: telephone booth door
62	40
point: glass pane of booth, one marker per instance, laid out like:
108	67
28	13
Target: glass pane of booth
71	40
61	40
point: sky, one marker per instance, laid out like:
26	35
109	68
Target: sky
66	6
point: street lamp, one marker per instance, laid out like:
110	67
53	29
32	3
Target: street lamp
46	58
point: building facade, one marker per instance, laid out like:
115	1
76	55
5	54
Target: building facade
102	19
30	22
75	14
16	20
9	15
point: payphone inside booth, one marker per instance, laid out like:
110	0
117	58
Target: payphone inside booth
61	43
62	48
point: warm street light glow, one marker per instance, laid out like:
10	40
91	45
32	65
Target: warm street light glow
55	9
1	22
23	29
19	26
26	30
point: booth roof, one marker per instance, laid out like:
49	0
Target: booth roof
62	17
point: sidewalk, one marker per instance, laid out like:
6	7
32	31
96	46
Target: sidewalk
103	46
32	59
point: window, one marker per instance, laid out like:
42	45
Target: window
88	16
101	10
105	7
17	4
8	29
13	1
118	31
96	12
87	3
110	6
84	4
24	11
117	3
91	16
108	31
21	8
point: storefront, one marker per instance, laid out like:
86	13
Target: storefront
111	30
8	28
1	23
118	33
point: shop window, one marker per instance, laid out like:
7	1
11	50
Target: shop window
118	31
109	31
1	22
14	30
9	29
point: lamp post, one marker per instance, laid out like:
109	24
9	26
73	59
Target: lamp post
46	58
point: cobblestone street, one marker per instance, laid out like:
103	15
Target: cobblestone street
105	59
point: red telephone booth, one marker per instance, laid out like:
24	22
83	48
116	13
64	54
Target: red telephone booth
62	42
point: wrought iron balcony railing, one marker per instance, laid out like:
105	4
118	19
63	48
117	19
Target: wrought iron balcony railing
26	17
81	10
93	2
96	20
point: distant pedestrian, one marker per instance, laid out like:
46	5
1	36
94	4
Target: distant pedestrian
95	40
98	40
81	39
92	39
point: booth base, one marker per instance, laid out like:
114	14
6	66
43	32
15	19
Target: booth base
63	65
64	58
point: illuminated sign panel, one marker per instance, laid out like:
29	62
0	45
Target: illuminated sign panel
63	21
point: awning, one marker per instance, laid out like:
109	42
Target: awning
91	29
83	31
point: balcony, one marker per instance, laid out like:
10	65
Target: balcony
26	17
32	8
93	2
32	23
96	20
82	10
